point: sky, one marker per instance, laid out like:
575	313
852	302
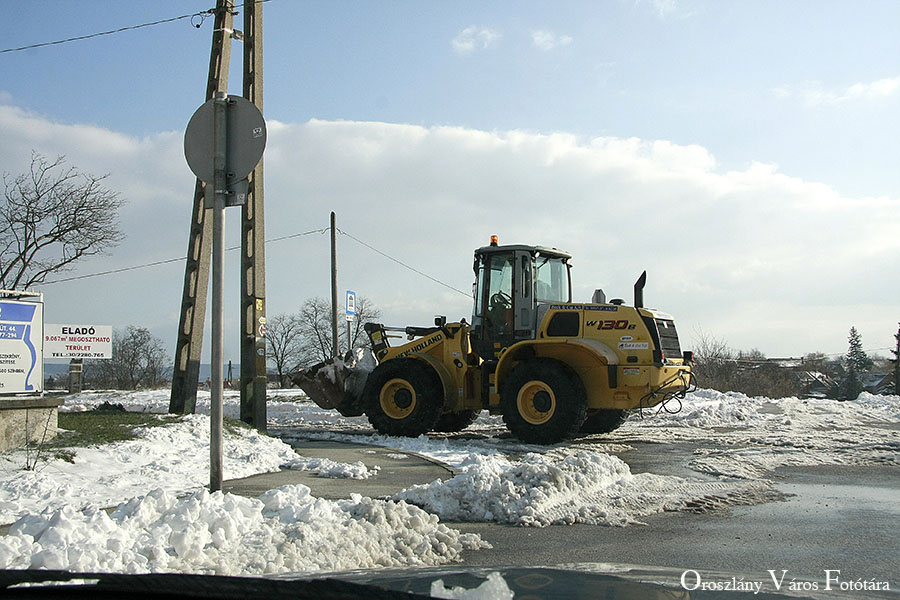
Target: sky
742	153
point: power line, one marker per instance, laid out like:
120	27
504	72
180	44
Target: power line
171	260
268	241
864	350
403	264
201	15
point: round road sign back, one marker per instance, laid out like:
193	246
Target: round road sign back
246	140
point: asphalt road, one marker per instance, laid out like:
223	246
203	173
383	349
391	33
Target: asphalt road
834	518
831	518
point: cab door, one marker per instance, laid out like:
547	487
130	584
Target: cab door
523	296
494	319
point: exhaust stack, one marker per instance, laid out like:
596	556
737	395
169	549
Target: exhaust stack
639	290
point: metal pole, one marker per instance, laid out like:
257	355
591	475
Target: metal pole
189	341
335	346
218	287
349	335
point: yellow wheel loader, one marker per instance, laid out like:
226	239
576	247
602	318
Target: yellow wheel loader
551	367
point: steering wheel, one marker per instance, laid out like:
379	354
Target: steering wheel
501	301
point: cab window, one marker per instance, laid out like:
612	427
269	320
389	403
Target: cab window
551	279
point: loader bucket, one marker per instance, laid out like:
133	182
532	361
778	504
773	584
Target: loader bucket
337	383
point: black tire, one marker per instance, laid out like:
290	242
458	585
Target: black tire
603	421
543	402
451	422
403	396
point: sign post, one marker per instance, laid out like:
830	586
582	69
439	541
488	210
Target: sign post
350	311
224	142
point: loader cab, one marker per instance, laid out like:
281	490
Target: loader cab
510	282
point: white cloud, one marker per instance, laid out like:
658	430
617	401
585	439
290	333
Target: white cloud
475	38
814	93
548	40
753	256
663	8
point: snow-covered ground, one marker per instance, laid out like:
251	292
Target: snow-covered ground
751	437
165	521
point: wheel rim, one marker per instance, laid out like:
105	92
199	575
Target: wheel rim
397	398
536	402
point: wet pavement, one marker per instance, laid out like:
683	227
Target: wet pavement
836	518
396	471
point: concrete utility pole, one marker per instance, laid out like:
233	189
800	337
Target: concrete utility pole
189	343
897	363
335	347
253	249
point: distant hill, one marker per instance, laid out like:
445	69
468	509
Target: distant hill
57	370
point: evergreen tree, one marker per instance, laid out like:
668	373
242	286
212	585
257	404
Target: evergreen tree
857	362
857	358
852	387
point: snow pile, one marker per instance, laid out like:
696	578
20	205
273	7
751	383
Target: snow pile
709	408
285	530
747	437
751	437
174	457
339	369
883	407
494	588
563	487
325	467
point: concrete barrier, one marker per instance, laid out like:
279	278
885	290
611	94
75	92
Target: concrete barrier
25	419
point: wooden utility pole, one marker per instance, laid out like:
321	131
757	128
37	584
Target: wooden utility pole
253	249
335	343
189	342
897	363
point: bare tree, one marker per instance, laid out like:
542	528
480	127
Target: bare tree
366	312
817	361
767	379
754	354
283	344
139	361
315	328
53	216
714	362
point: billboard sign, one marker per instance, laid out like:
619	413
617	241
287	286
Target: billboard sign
21	337
77	341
